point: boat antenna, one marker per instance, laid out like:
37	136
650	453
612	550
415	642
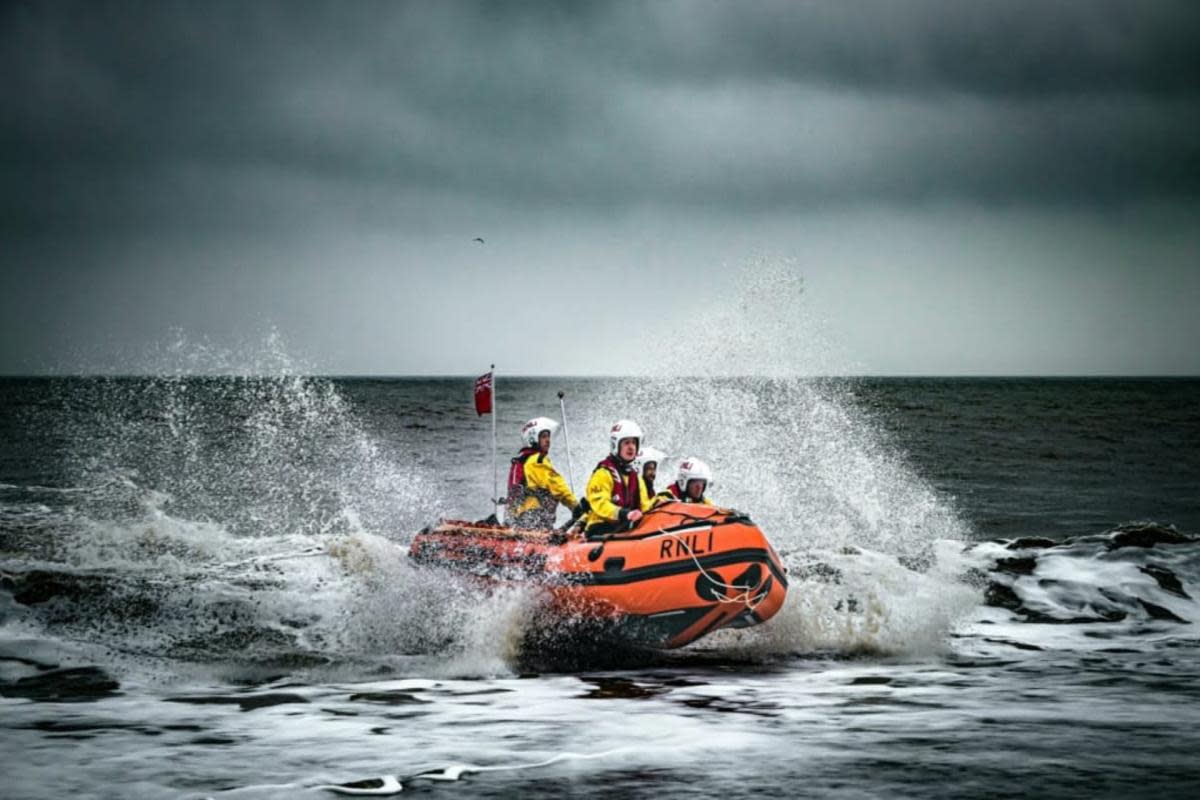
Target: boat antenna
496	502
562	405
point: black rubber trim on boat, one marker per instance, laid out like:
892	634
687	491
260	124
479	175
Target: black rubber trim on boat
719	618
680	567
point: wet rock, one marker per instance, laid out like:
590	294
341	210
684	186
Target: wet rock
1000	596
1119	601
1158	612
1167	581
1146	535
1030	543
72	685
1016	566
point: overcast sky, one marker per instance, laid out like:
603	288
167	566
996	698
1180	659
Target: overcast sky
957	187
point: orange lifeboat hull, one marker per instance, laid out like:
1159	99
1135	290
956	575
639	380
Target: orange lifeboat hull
683	572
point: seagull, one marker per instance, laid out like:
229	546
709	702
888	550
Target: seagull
477	239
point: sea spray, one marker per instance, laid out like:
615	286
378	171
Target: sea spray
176	485
741	388
186	474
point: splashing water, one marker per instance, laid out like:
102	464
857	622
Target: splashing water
813	469
197	511
202	498
210	571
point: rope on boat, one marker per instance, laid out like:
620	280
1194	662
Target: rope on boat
743	596
744	591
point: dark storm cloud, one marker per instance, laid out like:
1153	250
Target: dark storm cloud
231	115
1003	48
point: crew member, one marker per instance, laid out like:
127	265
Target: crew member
646	463
691	481
616	493
535	487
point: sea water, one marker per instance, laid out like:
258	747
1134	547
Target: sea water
204	592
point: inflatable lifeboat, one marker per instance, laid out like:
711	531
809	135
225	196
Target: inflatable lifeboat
683	572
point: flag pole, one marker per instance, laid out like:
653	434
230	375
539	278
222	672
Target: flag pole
562	405
495	407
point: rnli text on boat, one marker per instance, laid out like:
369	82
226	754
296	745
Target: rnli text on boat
684	544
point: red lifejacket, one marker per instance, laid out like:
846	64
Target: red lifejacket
517	487
627	492
678	494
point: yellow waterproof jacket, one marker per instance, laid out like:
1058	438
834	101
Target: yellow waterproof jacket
601	499
672	495
544	489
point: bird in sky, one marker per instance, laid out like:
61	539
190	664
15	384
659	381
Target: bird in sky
477	239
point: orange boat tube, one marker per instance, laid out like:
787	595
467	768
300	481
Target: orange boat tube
683	572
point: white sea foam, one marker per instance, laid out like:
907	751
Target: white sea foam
863	602
1081	595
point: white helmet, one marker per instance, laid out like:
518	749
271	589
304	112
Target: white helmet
648	455
532	429
623	429
692	469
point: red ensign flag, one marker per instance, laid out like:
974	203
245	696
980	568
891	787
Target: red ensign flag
483	394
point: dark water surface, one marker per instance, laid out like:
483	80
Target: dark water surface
204	592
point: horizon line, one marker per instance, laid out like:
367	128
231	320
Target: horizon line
547	376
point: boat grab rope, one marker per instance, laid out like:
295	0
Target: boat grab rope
743	592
